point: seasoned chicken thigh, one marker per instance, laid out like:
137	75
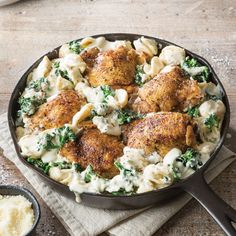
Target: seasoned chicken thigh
168	91
57	112
160	132
96	149
112	67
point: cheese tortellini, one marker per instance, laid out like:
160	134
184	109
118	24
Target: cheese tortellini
63	176
154	67
172	55
43	69
212	107
155	177
148	46
81	115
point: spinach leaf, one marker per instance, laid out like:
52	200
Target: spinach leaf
75	46
62	165
201	73
56	65
29	105
126	116
191	158
122	169
194	111
64	135
41	84
212	121
57	139
45	167
138	75
176	173
59	72
107	91
47	142
89	174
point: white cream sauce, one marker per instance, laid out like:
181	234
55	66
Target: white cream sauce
108	124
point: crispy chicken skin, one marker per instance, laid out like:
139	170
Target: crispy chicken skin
89	56
160	132
58	111
97	149
112	67
168	91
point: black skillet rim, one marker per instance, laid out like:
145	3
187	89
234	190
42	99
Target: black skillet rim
122	36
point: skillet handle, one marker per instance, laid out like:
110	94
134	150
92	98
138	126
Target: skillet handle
222	213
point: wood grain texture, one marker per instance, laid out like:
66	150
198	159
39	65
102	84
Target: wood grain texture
30	28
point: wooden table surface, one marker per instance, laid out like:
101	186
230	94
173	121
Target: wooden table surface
30	28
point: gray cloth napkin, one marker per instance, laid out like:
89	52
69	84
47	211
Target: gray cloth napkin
81	220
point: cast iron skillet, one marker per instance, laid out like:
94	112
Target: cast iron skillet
194	184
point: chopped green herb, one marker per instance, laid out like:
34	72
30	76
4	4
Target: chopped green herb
56	64
121	168
45	167
212	121
89	174
201	74
64	135
138	75
75	47
176	173
194	111
47	142
126	116
62	73
62	165
118	165
107	91
29	105
39	84
191	62
59	72
191	158
57	139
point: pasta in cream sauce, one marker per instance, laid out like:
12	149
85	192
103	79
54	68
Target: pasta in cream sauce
137	171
